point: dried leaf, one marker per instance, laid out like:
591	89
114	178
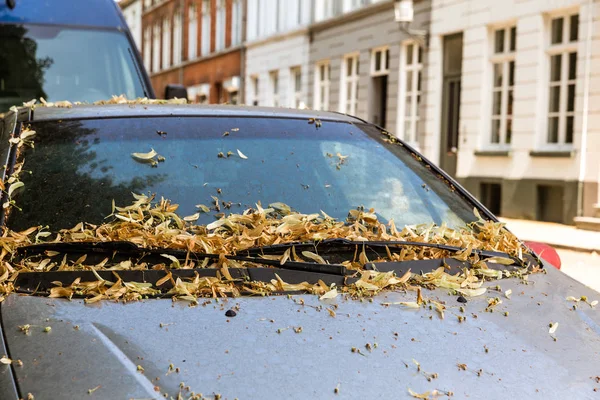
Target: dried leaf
5	360
242	156
472	292
314	257
14	187
508	293
203	208
145	156
191	218
553	328
332	294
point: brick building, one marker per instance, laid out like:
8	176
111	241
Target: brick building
197	43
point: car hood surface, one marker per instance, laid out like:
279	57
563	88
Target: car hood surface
292	347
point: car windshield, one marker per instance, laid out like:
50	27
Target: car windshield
78	167
59	63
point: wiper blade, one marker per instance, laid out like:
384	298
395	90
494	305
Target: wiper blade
341	244
128	249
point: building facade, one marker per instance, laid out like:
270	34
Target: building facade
196	43
277	43
132	11
514	102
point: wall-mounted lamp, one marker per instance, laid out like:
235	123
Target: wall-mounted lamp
404	14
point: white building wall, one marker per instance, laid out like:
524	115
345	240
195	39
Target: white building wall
133	15
475	18
280	54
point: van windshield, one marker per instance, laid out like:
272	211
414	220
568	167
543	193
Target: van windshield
59	63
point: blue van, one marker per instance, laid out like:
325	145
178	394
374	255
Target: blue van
67	50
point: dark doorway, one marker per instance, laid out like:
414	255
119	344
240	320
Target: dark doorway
490	194
453	45
379	96
550	200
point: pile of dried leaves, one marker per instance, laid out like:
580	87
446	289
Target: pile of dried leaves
153	224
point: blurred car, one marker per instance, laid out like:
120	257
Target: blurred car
67	50
399	283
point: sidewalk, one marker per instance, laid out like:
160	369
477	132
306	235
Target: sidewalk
556	235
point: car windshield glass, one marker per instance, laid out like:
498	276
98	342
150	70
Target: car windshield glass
78	167
59	63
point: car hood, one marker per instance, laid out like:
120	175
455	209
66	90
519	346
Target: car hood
291	346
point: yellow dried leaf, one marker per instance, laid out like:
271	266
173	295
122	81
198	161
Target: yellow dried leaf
14	187
508	293
472	292
553	328
332	294
191	218
5	360
145	156
314	257
203	208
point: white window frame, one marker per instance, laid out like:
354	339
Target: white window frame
206	31
148	48
504	59
324	83
563	49
296	92
236	23
385	62
177	37
192	32
166	43
156	47
221	24
349	106
415	70
274	88
254	94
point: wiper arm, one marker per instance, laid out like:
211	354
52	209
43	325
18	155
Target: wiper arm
128	249
341	244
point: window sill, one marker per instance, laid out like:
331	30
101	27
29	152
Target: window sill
492	153
552	153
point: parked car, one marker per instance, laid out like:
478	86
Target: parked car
67	50
242	252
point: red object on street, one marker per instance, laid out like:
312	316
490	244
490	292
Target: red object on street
546	252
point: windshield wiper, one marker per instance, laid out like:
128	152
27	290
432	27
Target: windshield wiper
340	245
128	249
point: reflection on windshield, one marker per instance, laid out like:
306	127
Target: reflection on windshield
64	64
78	168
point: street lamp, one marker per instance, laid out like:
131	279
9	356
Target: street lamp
404	14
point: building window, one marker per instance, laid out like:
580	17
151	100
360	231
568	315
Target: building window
503	83
349	84
410	91
236	23
166	43
380	61
148	48
220	28
177	38
206	21
274	79
254	94
296	85
322	73
192	32
562	53
491	197
156	48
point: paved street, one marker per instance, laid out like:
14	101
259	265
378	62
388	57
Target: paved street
583	266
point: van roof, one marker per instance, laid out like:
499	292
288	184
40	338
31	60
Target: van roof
88	13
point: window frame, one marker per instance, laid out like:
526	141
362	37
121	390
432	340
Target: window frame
322	84
504	59
296	93
416	93
562	49
349	106
384	61
274	88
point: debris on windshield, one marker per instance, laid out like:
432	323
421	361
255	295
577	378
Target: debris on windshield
161	133
230	313
221	155
148	157
553	327
203	208
242	155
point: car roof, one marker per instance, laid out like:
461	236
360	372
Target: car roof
88	13
180	110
